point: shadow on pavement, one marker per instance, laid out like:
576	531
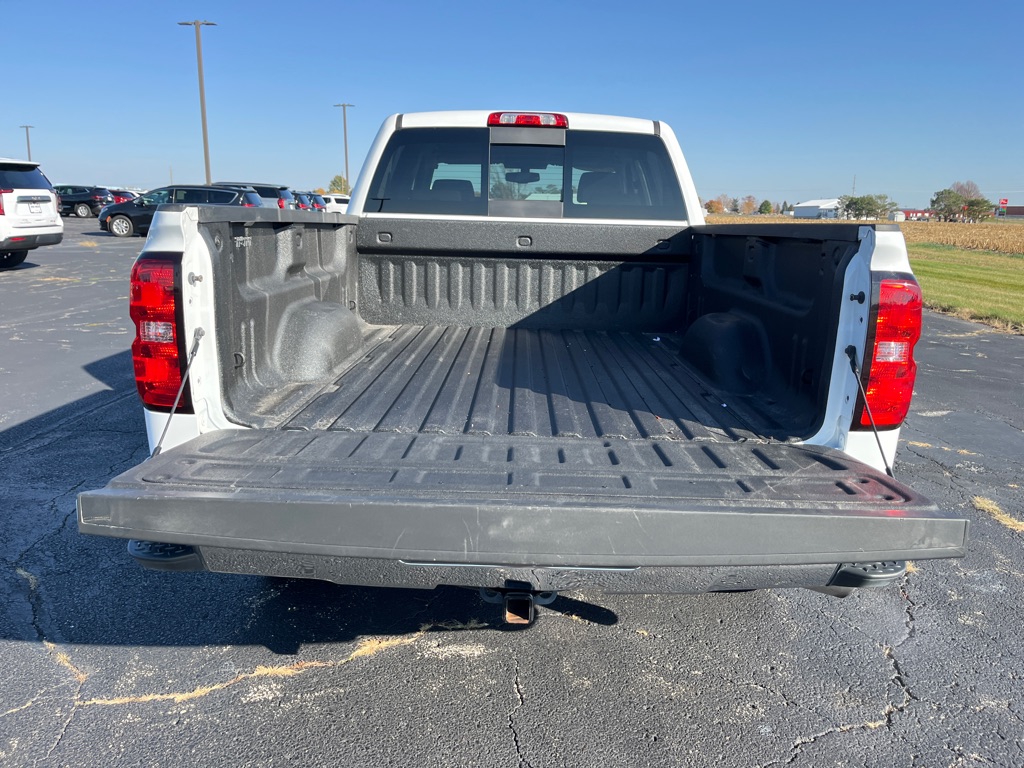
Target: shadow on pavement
60	586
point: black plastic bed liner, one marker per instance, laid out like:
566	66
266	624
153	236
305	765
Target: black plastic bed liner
538	383
521	448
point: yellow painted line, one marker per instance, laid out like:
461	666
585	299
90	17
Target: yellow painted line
990	507
369	647
65	661
204	690
375	645
26	705
920	445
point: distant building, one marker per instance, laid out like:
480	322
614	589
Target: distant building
1013	211
817	209
897	216
917	214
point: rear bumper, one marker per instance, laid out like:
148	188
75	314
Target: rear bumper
296	504
29	242
379	572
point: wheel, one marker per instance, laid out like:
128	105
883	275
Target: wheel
83	211
11	259
121	226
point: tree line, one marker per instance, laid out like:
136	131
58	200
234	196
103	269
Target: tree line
746	206
961	201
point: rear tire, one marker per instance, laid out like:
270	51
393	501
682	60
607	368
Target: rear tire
11	259
83	211
121	226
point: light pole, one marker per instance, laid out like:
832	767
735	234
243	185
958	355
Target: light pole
28	141
344	124
202	89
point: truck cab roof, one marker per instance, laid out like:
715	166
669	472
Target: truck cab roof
478	118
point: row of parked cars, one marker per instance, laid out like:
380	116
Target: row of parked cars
124	213
31	207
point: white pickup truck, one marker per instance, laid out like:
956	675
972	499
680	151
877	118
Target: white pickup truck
522	362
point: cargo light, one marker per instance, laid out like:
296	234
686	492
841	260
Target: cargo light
528	119
889	375
157	352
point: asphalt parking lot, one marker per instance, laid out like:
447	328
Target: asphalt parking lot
107	664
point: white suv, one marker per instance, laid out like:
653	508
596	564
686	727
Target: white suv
29	211
336	202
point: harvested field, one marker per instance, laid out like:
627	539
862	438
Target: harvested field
996	236
1000	237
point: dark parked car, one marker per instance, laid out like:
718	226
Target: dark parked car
302	201
273	195
134	216
82	201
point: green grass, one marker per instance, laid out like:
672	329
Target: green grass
976	285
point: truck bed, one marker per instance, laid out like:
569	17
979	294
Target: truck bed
521	447
574	405
536	383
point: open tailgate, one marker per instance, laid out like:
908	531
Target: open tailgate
521	501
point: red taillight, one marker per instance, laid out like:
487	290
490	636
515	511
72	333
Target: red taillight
2	193
528	119
889	374
280	202
157	351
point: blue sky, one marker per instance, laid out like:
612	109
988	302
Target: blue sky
780	100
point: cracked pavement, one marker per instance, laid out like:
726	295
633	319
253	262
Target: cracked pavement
106	664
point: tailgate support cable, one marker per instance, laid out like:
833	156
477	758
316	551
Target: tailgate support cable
851	352
184	380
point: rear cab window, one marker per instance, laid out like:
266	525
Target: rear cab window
526	172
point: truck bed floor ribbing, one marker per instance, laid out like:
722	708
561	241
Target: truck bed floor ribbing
537	383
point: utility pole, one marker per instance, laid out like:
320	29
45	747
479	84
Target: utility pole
28	141
344	123
202	88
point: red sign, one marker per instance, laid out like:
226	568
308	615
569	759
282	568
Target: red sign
1002	202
